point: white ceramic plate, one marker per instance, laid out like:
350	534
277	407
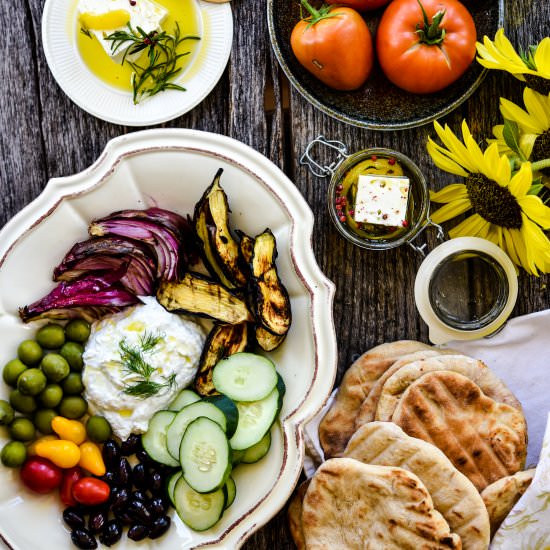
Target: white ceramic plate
59	30
171	169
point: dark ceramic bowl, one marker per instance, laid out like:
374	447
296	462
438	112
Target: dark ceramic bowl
378	105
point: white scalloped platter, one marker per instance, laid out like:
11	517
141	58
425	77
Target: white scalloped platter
59	30
171	169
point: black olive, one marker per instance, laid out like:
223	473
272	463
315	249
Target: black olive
124	472
74	518
131	446
139	511
82	538
159	527
139	476
111	533
119	498
97	520
111	453
138	532
143	457
123	516
158	506
109	478
155	482
140	495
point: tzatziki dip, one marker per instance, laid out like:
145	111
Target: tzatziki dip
136	362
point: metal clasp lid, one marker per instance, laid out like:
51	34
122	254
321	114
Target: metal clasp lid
421	249
318	169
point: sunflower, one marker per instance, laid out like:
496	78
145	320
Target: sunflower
532	67
503	211
533	126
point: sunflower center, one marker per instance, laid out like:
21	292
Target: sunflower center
492	202
537	83
541	148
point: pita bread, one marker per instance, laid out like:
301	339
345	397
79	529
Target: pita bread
473	369
338	424
367	411
354	506
501	496
453	495
295	515
484	439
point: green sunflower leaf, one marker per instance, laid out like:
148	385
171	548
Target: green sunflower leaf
510	133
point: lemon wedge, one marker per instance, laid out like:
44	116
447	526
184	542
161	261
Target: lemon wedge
105	21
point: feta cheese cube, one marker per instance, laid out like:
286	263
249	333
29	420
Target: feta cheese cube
381	200
144	14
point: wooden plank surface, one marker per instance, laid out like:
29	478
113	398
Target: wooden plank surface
44	135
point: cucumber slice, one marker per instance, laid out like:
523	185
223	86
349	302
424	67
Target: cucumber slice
205	456
228	408
236	457
154	441
258	451
245	377
230	492
184	398
185	417
198	511
171	486
255	419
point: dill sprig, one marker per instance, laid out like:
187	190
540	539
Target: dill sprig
162	57
134	362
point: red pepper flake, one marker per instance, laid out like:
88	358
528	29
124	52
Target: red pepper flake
385	217
374	158
343	201
339	188
351	212
405	223
391	161
343	219
133	2
360	225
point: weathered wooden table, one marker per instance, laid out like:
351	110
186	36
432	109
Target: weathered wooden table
45	135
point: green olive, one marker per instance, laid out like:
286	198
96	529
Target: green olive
72	352
22	429
51	336
30	352
77	330
73	407
98	429
31	382
6	413
55	367
43	420
14	454
25	404
51	395
12	370
72	385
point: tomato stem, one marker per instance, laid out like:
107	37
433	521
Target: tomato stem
316	15
430	33
312	11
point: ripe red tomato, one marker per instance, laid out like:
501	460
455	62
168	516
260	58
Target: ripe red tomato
70	477
334	44
40	475
361	5
423	48
91	491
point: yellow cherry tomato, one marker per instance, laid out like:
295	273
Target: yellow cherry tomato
31	449
61	452
91	459
70	430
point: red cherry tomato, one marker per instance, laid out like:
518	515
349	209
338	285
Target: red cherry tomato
361	5
40	475
91	491
70	477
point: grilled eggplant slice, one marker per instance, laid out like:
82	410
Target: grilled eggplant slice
201	296
246	245
223	341
267	340
221	251
271	300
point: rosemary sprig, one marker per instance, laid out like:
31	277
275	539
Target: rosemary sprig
134	362
86	32
162	57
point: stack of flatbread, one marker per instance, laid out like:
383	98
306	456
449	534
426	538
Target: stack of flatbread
435	421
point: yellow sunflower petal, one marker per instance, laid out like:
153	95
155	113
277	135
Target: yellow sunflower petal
470	227
527	123
521	181
495	166
500	54
505	47
538	106
450	193
442	161
451	210
536	210
519	247
472	147
542	57
526	143
457	149
510	247
537	247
